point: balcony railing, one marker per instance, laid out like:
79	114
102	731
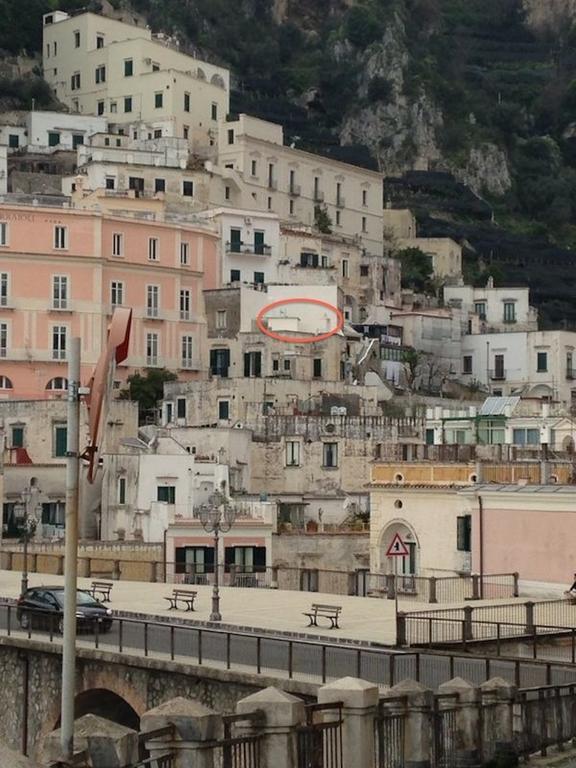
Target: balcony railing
509	320
295	190
253	249
152	312
499	374
570	374
318	196
272	184
190	365
340	202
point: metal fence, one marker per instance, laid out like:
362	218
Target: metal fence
236	750
320	739
389	726
295	658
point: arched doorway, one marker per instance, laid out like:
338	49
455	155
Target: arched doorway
408	565
107	704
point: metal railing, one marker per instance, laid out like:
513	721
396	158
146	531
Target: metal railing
236	750
389	736
289	657
320	739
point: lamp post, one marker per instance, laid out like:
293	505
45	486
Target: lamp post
28	530
216	517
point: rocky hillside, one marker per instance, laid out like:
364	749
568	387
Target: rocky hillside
484	89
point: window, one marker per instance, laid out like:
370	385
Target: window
480	309
569	363
187	342
181	407
113	107
364	226
542	362
269	205
235	275
128	67
467	364
235	240
338	219
230	136
291	207
3	339
525	436
75	82
253	364
188	188
227	192
221	319
185	131
60	238
287	364
317	367
158	133
245	559
17	436
153	249
151	349
253	167
184	253
308	259
214	111
185	304
58	384
158	100
224	409
59	292
3	289
345	268
330	454
364	197
127	103
121	490
76	39
99	41
364	270
159	185
219	362
117	244
111	184
166	493
194	560
116	293
77	140
258	278
53	139
100	74
100	109
60	439
59	342
464	533
155	66
509	312
3	233
292	453
152	300
54	513
186	102
13	140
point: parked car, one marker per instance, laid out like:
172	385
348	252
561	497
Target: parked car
44	607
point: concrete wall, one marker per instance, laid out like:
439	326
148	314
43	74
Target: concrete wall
327	551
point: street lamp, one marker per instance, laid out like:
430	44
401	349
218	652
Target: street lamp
27	532
217	516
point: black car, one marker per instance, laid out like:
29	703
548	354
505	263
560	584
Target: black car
44	607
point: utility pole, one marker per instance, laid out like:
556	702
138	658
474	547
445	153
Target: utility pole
71	551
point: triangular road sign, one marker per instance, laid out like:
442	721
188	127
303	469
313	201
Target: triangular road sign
397	548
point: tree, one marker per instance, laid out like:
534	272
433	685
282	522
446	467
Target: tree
147	390
322	220
416	270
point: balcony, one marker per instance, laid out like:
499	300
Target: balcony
570	374
340	202
498	374
186	364
295	190
272	184
318	196
509	320
251	249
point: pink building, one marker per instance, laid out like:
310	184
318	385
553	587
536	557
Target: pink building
62	271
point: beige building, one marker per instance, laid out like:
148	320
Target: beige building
101	66
494	309
259	171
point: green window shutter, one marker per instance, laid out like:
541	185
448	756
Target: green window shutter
60	439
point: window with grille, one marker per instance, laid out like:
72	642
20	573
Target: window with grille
184	304
116	293
151	349
187	342
152	300
59	333
59	292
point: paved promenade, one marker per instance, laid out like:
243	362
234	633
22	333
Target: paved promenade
363	619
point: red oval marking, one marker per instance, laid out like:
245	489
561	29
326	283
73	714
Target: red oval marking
298	339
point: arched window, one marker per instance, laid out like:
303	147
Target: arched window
200	74
218	80
59	384
5	383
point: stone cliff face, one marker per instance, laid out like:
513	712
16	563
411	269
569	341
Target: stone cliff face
553	17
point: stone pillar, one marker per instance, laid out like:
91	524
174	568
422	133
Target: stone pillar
467	628
194	725
432	590
390	586
475	587
418	723
360	700
232	576
109	745
498	698
283	714
400	628
274	577
516	592
60	565
117	571
530	629
468	742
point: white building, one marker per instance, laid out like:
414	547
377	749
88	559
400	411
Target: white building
258	171
53	130
532	364
498	309
3	170
98	65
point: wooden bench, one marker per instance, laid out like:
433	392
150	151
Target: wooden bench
103	588
317	611
185	596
